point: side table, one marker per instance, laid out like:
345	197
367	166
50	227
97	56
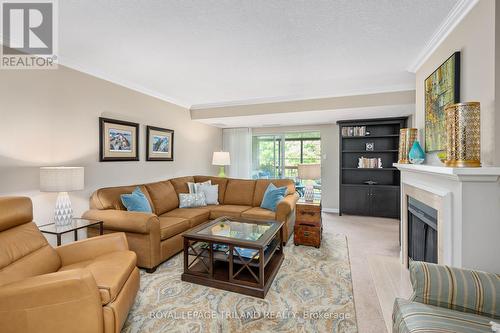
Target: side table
308	225
75	225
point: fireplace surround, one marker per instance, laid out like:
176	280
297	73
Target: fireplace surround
467	201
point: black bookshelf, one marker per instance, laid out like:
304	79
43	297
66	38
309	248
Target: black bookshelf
370	191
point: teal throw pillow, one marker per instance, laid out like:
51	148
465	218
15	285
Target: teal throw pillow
273	196
136	201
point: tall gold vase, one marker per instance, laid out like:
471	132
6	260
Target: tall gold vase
463	135
406	138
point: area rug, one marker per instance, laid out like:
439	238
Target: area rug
312	292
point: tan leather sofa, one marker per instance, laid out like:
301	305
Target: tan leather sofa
85	286
156	237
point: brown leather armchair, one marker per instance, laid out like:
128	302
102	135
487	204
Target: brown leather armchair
85	286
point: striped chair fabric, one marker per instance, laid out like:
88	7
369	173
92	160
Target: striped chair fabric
414	317
456	289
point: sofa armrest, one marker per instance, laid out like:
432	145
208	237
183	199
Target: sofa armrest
121	220
91	248
455	288
286	206
66	301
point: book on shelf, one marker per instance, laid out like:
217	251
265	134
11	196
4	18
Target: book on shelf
354	131
369	163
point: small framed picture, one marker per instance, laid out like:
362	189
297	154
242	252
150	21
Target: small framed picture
118	140
370	146
159	144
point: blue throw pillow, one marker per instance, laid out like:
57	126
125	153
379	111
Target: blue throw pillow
273	196
136	202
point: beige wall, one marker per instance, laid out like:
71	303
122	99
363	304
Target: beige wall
50	117
329	161
475	38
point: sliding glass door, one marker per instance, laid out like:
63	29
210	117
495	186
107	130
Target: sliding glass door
277	155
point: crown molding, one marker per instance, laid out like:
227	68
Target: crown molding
297	98
65	61
455	16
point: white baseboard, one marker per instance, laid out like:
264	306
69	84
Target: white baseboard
330	210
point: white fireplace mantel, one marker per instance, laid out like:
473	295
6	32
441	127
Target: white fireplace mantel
482	174
468	203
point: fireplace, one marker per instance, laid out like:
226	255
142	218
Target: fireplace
422	231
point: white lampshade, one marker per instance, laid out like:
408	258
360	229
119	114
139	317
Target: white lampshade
61	179
309	171
221	158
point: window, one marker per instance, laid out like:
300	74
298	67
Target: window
277	156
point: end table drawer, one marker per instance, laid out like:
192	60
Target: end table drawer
308	214
307	235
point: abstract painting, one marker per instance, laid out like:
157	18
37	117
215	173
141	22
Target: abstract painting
159	144
118	140
441	88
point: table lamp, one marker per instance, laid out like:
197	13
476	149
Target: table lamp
62	180
221	158
309	172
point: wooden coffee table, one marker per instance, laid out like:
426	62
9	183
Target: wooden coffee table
234	254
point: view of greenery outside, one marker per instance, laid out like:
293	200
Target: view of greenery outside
271	161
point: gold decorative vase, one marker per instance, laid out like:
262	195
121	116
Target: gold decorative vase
463	135
406	138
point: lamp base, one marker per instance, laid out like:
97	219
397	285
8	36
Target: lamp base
63	212
222	172
309	193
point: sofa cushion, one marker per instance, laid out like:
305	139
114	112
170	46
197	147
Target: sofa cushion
195	216
110	272
222	182
171	226
258	213
136	201
163	196
217	211
180	184
239	192
410	316
109	197
262	184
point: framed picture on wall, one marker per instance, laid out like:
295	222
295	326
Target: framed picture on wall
118	140
442	87
159	144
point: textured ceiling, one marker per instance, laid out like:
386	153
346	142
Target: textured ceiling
213	51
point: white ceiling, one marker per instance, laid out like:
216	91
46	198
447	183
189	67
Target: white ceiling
310	117
202	52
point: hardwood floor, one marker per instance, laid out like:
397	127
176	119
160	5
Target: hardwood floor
377	275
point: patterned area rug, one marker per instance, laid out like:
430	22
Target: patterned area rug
312	292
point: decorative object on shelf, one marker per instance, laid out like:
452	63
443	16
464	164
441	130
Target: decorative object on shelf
463	128
309	172
159	144
441	89
370	146
442	156
370	182
118	140
221	159
406	138
62	180
416	155
354	131
369	163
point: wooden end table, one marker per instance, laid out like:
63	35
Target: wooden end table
75	225
308	227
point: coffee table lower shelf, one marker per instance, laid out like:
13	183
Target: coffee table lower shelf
220	279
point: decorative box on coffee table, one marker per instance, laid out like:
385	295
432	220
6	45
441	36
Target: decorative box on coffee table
308	225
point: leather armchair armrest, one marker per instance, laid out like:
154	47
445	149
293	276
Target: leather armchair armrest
121	220
286	206
66	301
91	248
